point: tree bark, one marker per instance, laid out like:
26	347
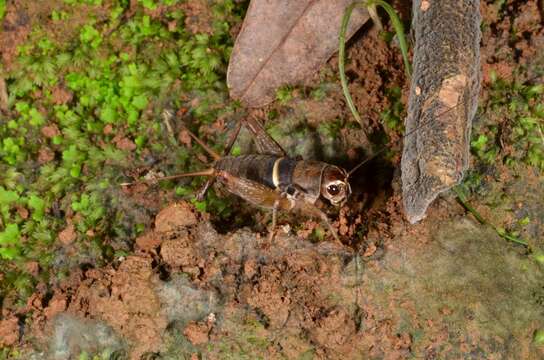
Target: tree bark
443	100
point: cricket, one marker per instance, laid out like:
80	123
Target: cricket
273	180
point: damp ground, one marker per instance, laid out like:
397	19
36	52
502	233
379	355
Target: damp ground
144	271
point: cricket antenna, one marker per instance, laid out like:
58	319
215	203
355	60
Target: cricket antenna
404	137
167	114
207	172
364	162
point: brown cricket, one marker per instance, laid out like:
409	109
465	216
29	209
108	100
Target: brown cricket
273	180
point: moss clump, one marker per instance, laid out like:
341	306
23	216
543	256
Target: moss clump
84	107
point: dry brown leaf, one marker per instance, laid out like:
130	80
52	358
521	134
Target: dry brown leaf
283	42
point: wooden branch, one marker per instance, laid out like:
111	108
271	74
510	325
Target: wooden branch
443	100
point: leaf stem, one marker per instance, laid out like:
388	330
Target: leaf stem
399	29
464	202
341	61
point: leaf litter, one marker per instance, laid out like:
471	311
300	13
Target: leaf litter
283	42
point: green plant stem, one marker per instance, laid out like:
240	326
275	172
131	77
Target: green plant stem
341	61
464	202
399	29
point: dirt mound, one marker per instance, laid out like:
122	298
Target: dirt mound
199	292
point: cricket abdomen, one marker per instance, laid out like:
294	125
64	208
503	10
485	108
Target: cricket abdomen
258	168
252	178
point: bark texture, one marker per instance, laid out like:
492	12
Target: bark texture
443	100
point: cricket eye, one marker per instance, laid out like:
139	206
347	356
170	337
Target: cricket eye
333	189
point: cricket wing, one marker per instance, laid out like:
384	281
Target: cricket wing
258	194
265	144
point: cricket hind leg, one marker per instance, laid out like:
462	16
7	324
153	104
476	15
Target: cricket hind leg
264	143
167	114
205	146
204	189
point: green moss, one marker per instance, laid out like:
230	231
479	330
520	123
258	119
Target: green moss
330	129
507	142
117	76
2	9
392	116
512	128
538	338
249	342
284	94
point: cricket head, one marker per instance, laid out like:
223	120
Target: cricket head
334	185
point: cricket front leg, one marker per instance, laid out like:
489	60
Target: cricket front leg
325	219
272	230
312	210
